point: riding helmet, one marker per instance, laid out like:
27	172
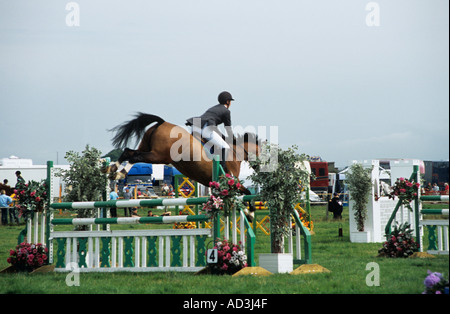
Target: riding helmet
224	97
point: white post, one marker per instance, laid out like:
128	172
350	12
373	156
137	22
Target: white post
144	252
234	227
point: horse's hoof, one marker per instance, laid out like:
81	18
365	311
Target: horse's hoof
116	176
120	176
250	216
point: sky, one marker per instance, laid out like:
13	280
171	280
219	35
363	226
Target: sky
343	80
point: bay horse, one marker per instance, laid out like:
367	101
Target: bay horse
167	143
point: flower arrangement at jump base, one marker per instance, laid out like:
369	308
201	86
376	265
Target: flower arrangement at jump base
31	197
230	258
405	190
27	256
435	283
223	195
185	225
304	218
401	242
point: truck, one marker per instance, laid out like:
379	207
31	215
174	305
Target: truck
319	169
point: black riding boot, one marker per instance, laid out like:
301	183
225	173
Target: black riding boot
222	160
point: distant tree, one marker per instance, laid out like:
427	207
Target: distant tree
114	154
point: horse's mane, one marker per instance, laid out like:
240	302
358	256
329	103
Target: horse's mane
247	137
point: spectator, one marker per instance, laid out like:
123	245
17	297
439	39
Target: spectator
127	196
335	206
165	190
12	210
435	188
113	196
446	188
5	201
20	179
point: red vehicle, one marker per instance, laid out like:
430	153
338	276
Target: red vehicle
320	170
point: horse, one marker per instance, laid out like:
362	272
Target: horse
167	143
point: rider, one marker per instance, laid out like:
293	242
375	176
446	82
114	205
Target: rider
206	126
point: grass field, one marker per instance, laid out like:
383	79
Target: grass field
347	262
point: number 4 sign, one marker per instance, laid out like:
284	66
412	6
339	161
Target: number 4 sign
211	256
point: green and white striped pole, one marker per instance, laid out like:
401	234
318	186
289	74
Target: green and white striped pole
128	220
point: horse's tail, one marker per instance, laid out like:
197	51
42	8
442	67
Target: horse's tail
135	127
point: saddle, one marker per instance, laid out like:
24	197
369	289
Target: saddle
211	152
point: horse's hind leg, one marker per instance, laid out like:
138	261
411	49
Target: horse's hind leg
113	168
149	157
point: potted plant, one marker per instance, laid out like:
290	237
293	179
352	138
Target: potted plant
280	178
359	185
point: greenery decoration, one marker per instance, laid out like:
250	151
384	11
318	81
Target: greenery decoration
405	190
280	175
224	193
359	185
84	179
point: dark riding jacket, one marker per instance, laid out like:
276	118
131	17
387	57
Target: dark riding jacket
214	116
